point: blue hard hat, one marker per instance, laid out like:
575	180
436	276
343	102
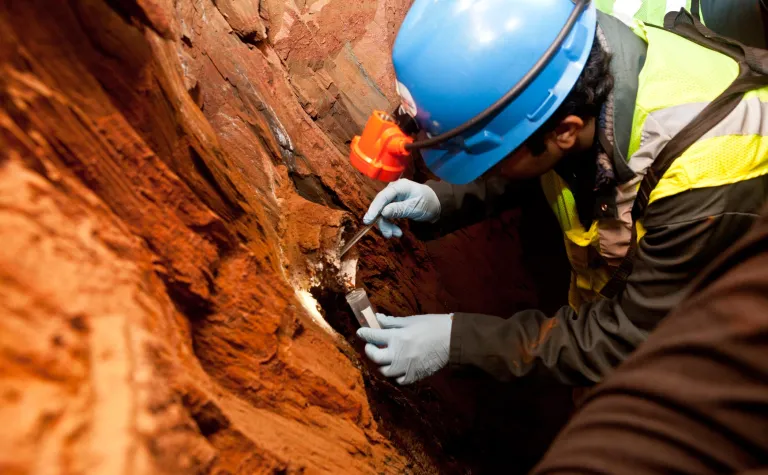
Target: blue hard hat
454	58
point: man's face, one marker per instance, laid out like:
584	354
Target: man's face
570	136
522	163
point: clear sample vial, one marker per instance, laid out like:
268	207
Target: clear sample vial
366	315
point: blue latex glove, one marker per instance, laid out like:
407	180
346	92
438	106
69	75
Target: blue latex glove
409	348
403	199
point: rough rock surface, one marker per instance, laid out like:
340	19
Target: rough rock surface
173	191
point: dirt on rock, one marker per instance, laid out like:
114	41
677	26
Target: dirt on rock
174	189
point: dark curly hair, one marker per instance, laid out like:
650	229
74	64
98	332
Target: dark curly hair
585	100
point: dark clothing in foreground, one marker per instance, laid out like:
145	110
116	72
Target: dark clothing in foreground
693	398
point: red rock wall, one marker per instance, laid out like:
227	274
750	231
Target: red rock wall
173	190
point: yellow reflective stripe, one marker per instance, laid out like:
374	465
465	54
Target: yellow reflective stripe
583	238
566	204
563	204
761	94
593	279
560	199
553	188
583	281
635	138
715	162
640	230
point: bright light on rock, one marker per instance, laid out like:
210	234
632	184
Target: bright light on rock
313	308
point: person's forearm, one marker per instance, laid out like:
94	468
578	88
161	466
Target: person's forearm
576	348
693	398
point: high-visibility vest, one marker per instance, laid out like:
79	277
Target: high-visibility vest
648	11
679	78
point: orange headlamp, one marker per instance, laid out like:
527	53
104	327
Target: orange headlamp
380	152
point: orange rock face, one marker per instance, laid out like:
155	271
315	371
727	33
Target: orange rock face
171	194
174	189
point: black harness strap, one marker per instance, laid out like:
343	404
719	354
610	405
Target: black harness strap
695	8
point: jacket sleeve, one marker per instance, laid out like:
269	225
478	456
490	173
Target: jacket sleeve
465	205
582	347
692	399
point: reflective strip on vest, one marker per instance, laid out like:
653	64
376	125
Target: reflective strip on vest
734	150
678	80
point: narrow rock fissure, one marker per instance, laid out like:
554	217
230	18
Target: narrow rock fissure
132	12
311	188
181	222
205	172
406	415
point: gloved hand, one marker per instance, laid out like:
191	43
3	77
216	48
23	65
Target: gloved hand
403	199
409	348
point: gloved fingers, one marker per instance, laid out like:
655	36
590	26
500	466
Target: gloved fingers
381	356
385	227
378	337
382	199
403	189
417	374
428	319
391	371
410	377
399	209
389	229
390	322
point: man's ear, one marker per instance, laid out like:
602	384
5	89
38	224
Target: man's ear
567	132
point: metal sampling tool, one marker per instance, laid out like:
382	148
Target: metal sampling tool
361	306
358	236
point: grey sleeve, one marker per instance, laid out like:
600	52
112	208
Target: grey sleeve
692	399
465	205
577	348
583	347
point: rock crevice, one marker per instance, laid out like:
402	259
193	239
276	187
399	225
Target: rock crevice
173	194
174	191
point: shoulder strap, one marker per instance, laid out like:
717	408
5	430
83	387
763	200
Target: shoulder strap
749	79
695	9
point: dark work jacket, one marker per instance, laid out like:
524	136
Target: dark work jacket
742	20
694	398
684	233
